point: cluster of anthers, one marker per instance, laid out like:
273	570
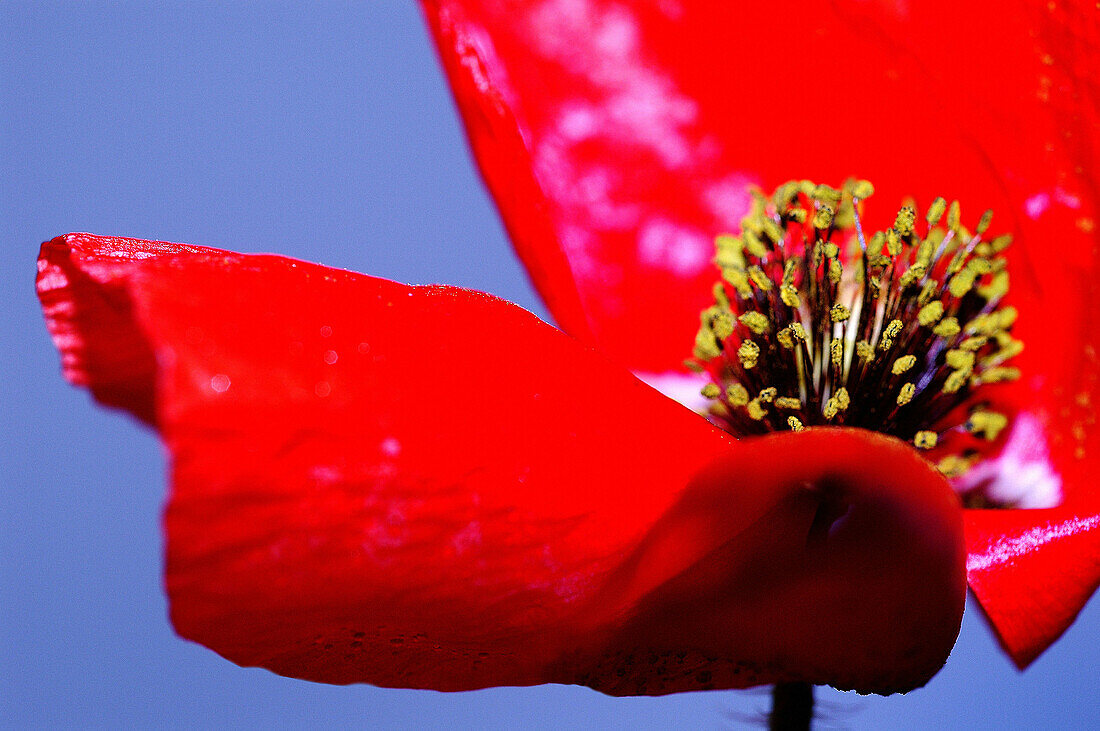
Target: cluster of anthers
816	323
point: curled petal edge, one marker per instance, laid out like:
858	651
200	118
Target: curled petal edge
622	543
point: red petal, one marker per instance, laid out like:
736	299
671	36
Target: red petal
642	124
1033	571
428	487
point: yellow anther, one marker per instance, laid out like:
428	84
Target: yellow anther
960	359
788	402
790	268
785	339
1000	243
727	241
925	251
722	324
953	215
885	344
831	408
999	374
912	275
759	278
693	366
961	283
706	347
737	394
893	328
925	439
771	229
839	313
930	314
902	364
826	194
836	270
730	259
728	251
842	398
711	390
906	394
795	424
974	343
797	215
739	279
755	321
903	224
823	217
748	354
831	250
1006	317
997	287
1010	349
836	352
797	331
864	351
928	292
874	286
756	410
984	324
785	195
986	424
893	242
720	297
789	294
768	394
979	265
753	245
936	211
936	238
955	381
958	261
952	466
948	328
862	189
817	254
983	224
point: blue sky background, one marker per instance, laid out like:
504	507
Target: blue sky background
322	131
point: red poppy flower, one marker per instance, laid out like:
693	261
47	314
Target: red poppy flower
427	487
619	137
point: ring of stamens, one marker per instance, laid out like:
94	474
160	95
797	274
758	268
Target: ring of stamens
816	323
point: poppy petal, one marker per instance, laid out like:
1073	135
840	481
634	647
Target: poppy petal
427	487
1033	571
631	131
643	123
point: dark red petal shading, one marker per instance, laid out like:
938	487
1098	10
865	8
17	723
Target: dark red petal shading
643	122
427	487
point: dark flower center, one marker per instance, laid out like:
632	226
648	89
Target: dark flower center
816	323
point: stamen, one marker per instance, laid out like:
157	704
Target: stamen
891	331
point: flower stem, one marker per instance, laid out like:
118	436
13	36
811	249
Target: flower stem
792	707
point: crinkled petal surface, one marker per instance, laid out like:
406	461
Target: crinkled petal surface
428	487
632	129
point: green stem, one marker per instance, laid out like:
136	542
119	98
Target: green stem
792	707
